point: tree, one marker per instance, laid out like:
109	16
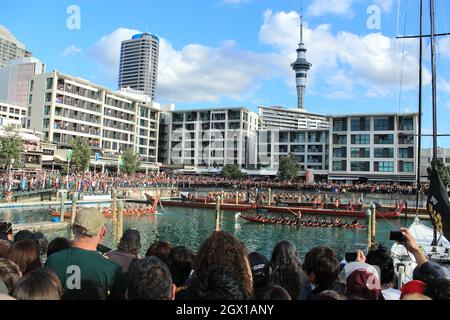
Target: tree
232	171
81	154
130	162
289	167
444	172
11	150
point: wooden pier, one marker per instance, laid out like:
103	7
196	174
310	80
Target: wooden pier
41	226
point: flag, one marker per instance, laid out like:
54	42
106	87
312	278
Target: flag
438	205
69	156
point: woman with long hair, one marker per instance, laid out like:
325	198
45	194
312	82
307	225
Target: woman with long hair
287	269
224	250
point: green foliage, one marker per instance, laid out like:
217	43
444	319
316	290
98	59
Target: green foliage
130	162
289	167
444	172
11	148
232	171
81	154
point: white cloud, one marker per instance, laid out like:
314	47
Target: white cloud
444	46
196	73
344	7
337	7
71	51
345	61
106	51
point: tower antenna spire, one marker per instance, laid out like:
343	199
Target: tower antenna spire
301	21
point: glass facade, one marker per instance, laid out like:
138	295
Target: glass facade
384	166
360	138
360	166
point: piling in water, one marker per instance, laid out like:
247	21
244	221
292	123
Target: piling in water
62	200
218	213
120	222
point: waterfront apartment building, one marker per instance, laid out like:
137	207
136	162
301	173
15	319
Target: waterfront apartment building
309	146
64	107
373	147
139	64
208	139
17	114
10	47
292	119
15	80
426	157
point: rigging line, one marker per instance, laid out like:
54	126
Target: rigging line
403	59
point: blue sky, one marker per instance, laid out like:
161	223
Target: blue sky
238	52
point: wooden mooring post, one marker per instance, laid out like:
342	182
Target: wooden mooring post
120	222
61	206
218	201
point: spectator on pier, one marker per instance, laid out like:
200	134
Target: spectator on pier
361	281
412	287
225	250
39	284
37	237
89	291
327	295
4	246
276	293
215	283
149	279
181	264
322	269
25	254
82	259
127	250
56	245
437	289
425	269
6	231
9	275
260	272
381	258
287	269
161	250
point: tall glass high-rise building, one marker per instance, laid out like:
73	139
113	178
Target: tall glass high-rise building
139	64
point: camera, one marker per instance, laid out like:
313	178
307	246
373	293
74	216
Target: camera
396	236
350	256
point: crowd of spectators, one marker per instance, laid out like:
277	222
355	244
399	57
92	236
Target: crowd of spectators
222	269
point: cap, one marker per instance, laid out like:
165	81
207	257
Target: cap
361	280
259	264
414	286
91	220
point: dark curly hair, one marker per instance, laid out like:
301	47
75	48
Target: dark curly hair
149	279
161	250
130	242
223	249
381	257
287	269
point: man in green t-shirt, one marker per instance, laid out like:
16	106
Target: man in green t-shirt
81	262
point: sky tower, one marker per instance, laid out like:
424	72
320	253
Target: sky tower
301	67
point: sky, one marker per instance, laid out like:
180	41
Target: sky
223	53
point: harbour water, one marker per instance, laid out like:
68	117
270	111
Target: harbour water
190	227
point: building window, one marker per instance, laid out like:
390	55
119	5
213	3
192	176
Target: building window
30	99
383	124
406	139
406	166
340	165
340	152
360	152
406	123
360	138
45	123
49	83
384	166
384	139
360	124
360	166
284	137
339	139
339	125
384	153
297	137
48	97
31	85
406	153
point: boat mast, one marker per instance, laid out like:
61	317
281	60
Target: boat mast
419	187
434	95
